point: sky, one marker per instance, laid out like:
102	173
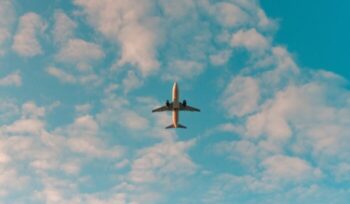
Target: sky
79	78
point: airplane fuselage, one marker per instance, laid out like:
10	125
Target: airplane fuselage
176	105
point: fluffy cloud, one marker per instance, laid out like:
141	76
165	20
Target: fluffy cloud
229	14
123	22
131	81
288	168
250	39
64	150
7	16
180	69
117	108
13	79
220	58
25	41
63	28
161	162
283	141
80	52
8	111
241	96
61	75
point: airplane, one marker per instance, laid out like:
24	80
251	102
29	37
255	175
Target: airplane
175	106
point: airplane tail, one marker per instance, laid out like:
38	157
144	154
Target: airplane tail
178	126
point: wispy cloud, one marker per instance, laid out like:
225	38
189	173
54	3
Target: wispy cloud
25	41
14	79
63	28
7	16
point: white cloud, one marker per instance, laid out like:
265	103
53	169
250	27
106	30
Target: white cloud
290	169
8	111
117	108
25	41
164	161
52	158
7	16
246	152
30	126
264	22
63	28
31	110
229	14
131	82
180	69
240	96
81	53
249	39
132	120
139	49
13	79
220	58
61	75
123	22
83	139
178	9
122	164
10	180
83	109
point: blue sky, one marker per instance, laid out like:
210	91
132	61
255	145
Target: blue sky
78	81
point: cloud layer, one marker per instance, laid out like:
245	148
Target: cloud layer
79	81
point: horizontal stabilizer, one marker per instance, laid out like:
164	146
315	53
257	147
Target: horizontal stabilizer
178	126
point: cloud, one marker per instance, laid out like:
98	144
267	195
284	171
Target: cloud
181	69
63	28
163	161
10	180
9	110
241	96
245	152
80	53
131	82
132	120
30	126
220	58
7	17
14	79
114	108
289	168
83	139
61	75
283	140
229	14
83	109
249	39
25	41
46	155
122	164
122	22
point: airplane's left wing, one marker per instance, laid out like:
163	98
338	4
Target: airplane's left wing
188	108
163	108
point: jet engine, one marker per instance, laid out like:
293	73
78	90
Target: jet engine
167	103
184	103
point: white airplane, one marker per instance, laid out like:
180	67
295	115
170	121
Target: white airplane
175	106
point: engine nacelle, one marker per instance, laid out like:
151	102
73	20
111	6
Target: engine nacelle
167	103
184	103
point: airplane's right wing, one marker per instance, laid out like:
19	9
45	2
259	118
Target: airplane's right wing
188	108
164	108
